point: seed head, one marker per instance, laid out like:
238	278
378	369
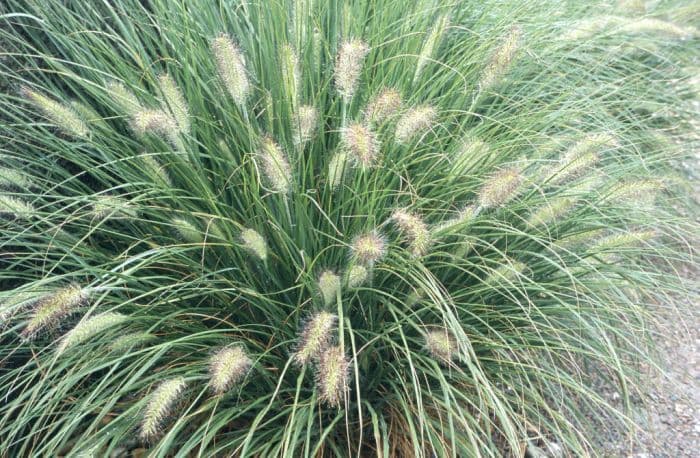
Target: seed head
416	231
61	115
441	345
16	207
291	75
315	337
624	240
106	206
369	248
658	26
54	307
361	144
175	102
414	122
231	65
336	169
501	59
130	340
307	120
431	42
383	106
551	211
348	66
187	231
500	188
11	178
275	166
507	272
88	328
123	97
356	276
156	122
227	367
159	406
155	170
87	113
637	192
254	243
329	286
332	376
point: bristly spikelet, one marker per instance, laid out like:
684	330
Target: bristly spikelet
361	143
336	169
501	59
275	166
580	157
130	340
123	97
356	276
187	231
227	367
637	192
348	66
368	248
471	151
17	208
155	170
415	122
11	178
332	376
106	206
463	216
231	65
328	286
551	211
431	42
87	113
500	188
88	328
383	106
175	102
315	337
291	76
49	310
159	407
254	243
305	124
63	116
658	26
156	122
627	239
509	271
441	345
416	231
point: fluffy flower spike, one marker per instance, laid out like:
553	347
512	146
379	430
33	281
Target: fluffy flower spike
361	143
227	367
500	188
275	166
159	406
369	248
17	208
61	115
329	286
315	337
332	376
383	106
501	59
254	243
89	328
441	345
416	231
306	124
176	102
356	276
348	67
231	65
54	307
414	122
336	169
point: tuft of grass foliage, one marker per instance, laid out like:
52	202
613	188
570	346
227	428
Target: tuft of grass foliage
305	228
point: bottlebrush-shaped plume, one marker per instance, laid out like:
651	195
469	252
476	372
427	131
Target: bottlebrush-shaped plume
362	145
627	239
63	116
470	153
231	65
175	102
275	166
430	44
329	286
130	340
581	157
160	406
88	328
356	276
51	309
368	248
383	106
348	66
156	122
336	169
332	376
415	229
11	178
315	336
291	75
155	170
415	122
501	60
509	271
306	122
123	97
551	211
441	345
636	191
254	243
500	188
227	367
106	206
16	207
187	230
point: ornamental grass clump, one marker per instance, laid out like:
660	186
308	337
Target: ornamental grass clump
361	228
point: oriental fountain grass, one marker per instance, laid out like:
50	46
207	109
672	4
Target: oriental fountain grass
306	228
